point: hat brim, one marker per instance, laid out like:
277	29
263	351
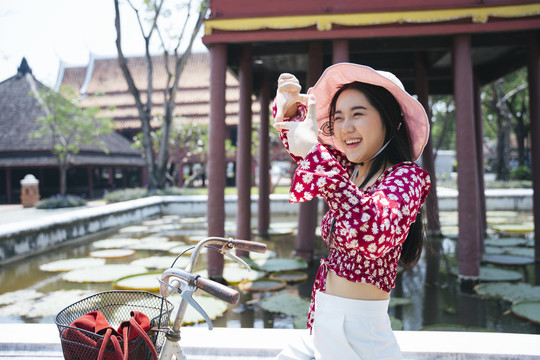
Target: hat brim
340	74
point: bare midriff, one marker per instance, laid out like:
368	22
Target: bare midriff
338	286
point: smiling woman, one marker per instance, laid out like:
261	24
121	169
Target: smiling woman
360	162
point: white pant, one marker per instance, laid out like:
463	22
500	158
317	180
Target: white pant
346	329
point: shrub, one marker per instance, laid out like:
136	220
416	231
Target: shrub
58	201
125	195
522	172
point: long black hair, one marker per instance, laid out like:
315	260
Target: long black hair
398	150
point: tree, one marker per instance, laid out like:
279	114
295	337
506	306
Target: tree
67	128
506	104
173	63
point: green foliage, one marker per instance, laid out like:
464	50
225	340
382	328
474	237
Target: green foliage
521	173
57	202
125	195
67	127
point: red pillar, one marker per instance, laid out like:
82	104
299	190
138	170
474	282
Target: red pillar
534	111
340	51
307	217
216	155
479	122
243	150
264	159
428	161
467	165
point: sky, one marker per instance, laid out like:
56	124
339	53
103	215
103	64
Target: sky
48	32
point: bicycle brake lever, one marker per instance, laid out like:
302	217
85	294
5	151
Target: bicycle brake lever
227	253
187	294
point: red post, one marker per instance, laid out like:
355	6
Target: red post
534	110
467	165
479	122
216	155
264	159
307	217
340	51
243	152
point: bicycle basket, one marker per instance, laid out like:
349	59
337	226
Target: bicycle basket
116	307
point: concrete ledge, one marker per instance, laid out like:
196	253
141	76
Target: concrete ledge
18	341
44	230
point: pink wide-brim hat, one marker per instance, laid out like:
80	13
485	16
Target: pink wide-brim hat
340	74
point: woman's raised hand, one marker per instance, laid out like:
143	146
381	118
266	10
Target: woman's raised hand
302	135
287	95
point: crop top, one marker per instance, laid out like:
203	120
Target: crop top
371	225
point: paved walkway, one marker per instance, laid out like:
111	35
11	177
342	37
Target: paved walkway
41	341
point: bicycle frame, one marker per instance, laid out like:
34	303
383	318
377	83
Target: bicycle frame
188	283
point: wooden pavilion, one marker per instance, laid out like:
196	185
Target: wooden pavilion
444	47
92	171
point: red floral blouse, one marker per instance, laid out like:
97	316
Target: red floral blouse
371	225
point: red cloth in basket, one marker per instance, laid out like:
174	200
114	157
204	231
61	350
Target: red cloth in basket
129	342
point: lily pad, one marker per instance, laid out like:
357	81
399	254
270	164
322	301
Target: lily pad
155	239
492	220
520	251
102	274
494	274
289	276
524	228
286	304
262	285
145	282
113	243
215	308
280	264
529	310
509	291
136	229
157	222
507	260
454	327
268	254
398	301
71	264
156	246
161	262
505	242
186	249
494	250
234	273
300	322
396	324
47	305
15	296
112	253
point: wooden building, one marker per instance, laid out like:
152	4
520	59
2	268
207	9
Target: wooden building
92	171
443	47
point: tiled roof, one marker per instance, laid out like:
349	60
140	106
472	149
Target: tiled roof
104	86
19	110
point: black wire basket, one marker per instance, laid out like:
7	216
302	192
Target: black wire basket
116	306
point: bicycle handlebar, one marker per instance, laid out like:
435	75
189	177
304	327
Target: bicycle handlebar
218	290
214	288
249	245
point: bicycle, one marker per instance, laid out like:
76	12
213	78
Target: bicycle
183	281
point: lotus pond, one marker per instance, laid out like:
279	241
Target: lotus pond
276	293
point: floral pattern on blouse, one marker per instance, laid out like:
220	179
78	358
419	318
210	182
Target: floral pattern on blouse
371	224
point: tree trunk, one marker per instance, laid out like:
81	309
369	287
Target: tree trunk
63	178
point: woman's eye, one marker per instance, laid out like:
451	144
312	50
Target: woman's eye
357	114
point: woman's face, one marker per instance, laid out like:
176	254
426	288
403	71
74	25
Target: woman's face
358	126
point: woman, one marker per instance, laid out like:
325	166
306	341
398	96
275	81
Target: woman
355	142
